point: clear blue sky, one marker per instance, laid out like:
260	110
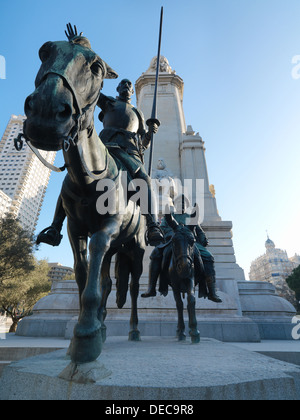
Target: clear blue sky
235	57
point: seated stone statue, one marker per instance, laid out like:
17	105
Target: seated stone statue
164	186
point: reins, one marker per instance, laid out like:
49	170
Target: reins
69	141
19	143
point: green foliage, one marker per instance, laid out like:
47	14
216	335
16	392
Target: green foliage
16	249
19	294
293	282
23	279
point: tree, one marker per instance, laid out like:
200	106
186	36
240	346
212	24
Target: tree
23	279
19	293
16	249
293	282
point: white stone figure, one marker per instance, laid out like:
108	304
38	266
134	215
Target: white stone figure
164	66
164	186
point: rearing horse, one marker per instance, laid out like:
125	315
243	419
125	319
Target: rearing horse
60	115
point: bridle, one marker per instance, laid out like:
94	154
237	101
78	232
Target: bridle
181	256
71	140
184	256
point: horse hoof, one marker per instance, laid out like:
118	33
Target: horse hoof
181	337
134	336
86	349
195	339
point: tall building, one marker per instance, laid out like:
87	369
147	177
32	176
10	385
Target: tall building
274	267
23	178
58	272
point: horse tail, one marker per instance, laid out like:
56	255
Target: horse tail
122	273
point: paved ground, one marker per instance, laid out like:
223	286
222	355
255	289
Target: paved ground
156	368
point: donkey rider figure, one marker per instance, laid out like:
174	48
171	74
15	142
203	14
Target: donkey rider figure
157	256
126	138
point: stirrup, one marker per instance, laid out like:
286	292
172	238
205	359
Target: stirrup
50	240
148	294
214	298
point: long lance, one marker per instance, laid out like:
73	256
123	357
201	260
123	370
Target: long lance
153	118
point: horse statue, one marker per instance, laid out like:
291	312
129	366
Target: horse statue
60	116
182	269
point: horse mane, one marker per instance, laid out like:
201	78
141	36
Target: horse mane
81	40
184	232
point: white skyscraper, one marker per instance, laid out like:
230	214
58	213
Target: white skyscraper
23	178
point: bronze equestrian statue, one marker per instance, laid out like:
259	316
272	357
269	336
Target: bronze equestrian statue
60	115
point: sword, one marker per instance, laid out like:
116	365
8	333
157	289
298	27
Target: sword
153	118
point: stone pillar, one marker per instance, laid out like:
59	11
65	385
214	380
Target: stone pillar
169	112
193	164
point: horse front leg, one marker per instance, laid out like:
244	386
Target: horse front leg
191	307
78	242
87	341
105	289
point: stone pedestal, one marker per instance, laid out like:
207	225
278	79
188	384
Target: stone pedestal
157	369
264	314
271	313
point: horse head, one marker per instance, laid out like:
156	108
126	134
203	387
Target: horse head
183	243
67	85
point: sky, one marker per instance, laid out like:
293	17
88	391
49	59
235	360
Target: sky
239	62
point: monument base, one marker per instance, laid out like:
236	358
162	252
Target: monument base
265	316
227	329
157	368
